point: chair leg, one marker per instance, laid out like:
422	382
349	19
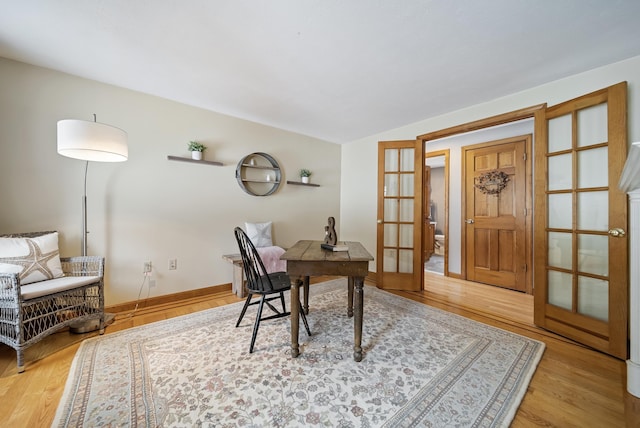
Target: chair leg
304	319
284	307
257	324
244	309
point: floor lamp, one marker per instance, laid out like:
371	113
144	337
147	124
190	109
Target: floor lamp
96	142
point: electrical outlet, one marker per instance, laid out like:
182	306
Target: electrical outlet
152	283
173	264
147	267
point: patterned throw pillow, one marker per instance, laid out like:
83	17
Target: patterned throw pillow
259	233
35	259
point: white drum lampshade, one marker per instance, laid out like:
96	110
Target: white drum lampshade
92	141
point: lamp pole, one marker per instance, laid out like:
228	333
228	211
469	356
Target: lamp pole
83	249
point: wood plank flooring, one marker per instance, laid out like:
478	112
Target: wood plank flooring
573	386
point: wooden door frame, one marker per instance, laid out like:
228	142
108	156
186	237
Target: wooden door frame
528	138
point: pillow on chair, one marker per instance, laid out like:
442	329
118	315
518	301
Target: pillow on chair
259	234
35	259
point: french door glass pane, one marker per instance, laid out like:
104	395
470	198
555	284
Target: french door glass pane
391	160
560	133
390	262
390	235
560	209
593	297
593	211
406	159
406	210
390	209
593	254
406	235
560	250
559	172
592	125
391	184
406	261
559	290
406	187
593	168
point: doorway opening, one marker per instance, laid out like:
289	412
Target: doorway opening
453	141
436	221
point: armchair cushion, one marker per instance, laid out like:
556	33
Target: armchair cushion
34	258
39	289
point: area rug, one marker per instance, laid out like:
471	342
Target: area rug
421	367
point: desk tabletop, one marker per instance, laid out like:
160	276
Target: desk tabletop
307	250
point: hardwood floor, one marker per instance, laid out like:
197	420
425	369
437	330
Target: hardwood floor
573	386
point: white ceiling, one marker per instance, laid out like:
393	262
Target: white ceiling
338	70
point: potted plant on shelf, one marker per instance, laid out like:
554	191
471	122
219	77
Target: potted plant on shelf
196	150
304	175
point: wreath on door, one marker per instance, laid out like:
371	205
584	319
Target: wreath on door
492	182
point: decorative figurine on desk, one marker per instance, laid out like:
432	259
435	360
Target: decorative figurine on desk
330	236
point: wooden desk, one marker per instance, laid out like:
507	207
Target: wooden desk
306	259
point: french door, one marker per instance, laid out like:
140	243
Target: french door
399	248
581	261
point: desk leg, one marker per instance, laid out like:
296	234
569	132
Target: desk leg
357	325
306	295
350	297
295	316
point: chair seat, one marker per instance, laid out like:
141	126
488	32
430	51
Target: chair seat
280	282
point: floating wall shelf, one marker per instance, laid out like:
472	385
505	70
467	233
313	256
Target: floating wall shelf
300	183
205	162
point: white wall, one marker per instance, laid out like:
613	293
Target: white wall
359	158
149	208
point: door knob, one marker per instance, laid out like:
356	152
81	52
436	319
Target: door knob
469	221
616	232
379	221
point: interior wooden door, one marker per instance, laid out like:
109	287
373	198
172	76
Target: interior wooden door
496	212
581	275
399	231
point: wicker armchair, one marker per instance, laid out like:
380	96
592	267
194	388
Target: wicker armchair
56	304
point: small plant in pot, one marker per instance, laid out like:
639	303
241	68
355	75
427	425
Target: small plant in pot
196	149
304	175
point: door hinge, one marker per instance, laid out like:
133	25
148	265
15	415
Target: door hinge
524	156
525	212
524	268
